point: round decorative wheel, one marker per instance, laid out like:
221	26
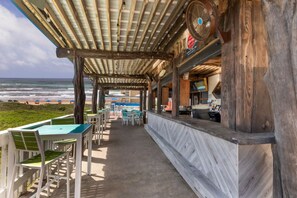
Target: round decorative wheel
201	19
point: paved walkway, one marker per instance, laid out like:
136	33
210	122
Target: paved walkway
129	164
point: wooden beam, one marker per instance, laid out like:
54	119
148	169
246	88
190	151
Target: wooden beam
148	43
124	88
95	95
69	25
159	97
83	6
148	23
105	54
141	77
175	90
178	34
79	90
108	23
178	10
122	84
131	15
213	49
180	23
138	24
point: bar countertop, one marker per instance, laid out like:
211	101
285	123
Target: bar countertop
217	130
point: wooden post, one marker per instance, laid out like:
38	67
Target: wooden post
281	79
79	90
165	95
175	89
159	97
150	96
140	100
95	95
246	103
144	105
101	98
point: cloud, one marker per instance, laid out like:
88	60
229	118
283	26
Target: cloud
23	47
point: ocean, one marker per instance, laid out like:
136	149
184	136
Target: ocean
31	89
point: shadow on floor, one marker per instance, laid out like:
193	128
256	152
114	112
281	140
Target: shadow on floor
129	164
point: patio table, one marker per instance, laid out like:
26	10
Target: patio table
75	131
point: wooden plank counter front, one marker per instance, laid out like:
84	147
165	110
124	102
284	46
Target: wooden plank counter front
215	161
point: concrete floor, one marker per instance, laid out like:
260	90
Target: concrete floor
129	164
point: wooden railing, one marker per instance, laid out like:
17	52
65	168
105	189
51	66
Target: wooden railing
23	177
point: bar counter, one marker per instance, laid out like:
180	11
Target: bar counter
213	160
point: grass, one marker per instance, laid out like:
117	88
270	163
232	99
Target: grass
17	114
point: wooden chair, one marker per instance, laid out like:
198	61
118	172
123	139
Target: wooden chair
29	140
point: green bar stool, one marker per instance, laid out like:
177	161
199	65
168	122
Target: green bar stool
63	144
30	141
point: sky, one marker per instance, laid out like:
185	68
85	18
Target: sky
24	51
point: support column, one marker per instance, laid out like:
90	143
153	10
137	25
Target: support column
281	79
150	96
79	90
246	104
159	97
95	95
140	100
101	98
175	89
144	105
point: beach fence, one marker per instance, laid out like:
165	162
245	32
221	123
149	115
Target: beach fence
24	177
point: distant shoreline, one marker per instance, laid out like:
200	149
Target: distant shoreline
42	102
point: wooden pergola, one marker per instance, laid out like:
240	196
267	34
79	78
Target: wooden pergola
125	44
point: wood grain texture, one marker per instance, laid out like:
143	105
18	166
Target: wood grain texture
212	166
175	89
184	92
79	90
159	97
165	95
281	23
217	130
255	170
246	103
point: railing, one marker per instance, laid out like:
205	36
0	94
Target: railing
24	177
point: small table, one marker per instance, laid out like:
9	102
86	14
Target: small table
76	131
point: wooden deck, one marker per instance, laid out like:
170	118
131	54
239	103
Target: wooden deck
128	164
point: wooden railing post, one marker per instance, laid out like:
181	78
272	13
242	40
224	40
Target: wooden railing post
79	90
